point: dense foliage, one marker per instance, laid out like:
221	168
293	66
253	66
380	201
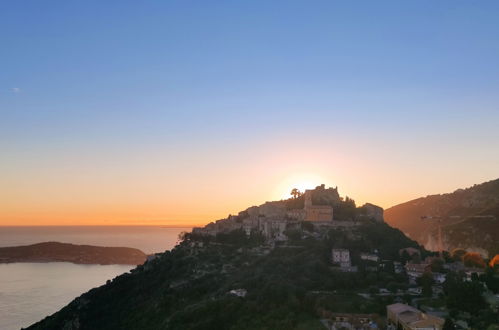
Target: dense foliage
287	285
187	288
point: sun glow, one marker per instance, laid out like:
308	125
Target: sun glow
301	182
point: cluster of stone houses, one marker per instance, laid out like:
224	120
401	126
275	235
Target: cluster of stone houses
418	269
272	219
351	321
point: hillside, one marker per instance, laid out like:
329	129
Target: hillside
265	268
469	217
271	267
281	285
78	254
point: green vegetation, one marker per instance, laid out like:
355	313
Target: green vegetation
288	286
187	288
346	209
295	193
295	203
426	281
473	259
469	217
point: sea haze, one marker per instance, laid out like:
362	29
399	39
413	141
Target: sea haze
149	239
31	291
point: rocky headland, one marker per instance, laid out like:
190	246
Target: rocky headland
78	254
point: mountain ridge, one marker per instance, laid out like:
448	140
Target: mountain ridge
469	218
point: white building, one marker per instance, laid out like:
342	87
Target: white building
369	257
239	292
341	257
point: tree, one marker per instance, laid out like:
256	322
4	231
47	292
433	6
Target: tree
492	280
464	296
295	193
473	259
494	261
449	325
392	287
183	236
405	257
458	254
345	209
437	265
307	225
426	281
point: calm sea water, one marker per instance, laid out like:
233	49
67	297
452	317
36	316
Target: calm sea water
31	291
149	239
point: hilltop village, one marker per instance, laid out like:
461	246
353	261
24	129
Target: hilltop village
313	261
424	273
316	206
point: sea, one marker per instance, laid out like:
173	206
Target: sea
31	291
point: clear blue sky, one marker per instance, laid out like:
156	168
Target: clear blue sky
414	83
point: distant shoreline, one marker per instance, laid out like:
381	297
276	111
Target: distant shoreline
78	254
74	226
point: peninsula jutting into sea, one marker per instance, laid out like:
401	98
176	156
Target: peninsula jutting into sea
314	260
78	254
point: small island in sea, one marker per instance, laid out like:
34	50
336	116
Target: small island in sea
78	254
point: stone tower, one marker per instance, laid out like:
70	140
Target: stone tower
308	198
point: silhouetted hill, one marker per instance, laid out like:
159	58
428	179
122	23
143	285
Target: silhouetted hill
469	217
78	254
281	285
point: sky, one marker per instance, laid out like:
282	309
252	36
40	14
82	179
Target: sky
181	112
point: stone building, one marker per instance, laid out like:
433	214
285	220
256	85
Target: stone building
341	257
273	228
406	317
417	270
316	212
297	214
325	196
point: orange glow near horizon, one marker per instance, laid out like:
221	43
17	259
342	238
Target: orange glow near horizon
106	188
178	113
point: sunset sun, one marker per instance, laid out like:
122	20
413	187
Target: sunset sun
249	165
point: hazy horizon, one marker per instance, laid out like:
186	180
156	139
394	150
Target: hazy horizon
139	114
164	223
